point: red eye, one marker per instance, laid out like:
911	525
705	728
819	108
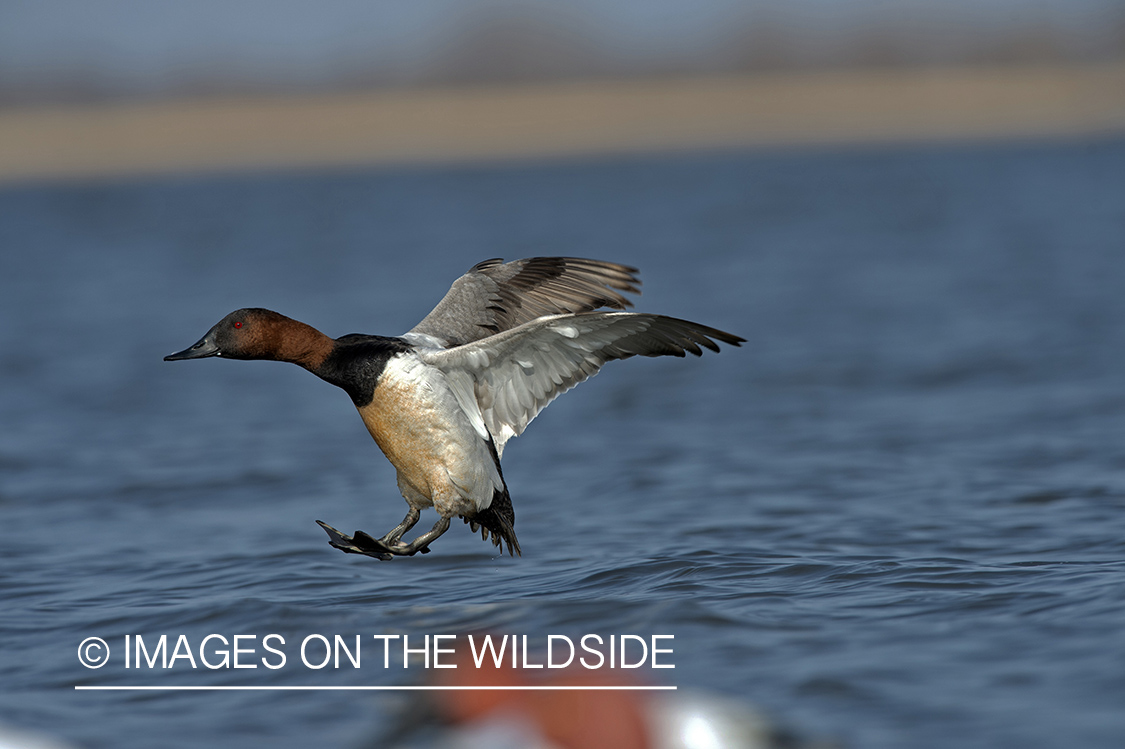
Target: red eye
238	325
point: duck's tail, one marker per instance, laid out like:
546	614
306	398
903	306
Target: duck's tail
497	519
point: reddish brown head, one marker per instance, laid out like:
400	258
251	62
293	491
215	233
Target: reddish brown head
257	333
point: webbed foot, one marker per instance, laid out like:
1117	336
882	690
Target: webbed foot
360	543
363	543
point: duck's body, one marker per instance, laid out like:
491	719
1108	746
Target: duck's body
442	400
442	461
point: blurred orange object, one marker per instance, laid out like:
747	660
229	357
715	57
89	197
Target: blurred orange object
568	718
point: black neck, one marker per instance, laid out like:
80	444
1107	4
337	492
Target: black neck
357	361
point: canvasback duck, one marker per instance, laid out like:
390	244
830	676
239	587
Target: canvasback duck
443	399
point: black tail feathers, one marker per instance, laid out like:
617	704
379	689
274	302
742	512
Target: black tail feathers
498	520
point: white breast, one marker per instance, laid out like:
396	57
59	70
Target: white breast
433	441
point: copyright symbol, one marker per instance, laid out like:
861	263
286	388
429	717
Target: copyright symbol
93	652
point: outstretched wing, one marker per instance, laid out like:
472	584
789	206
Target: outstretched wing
495	296
509	378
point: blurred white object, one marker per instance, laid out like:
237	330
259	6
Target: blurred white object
15	738
701	720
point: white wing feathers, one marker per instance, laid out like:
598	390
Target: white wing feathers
508	378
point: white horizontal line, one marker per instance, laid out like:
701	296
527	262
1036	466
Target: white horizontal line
435	688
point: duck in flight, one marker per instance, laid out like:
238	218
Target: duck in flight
443	399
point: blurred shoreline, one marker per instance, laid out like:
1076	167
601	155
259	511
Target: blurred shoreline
559	120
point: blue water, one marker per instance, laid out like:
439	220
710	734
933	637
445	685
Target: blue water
895	517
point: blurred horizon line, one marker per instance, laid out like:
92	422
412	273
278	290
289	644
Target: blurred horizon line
556	120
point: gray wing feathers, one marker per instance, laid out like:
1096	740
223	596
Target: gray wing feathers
515	374
495	296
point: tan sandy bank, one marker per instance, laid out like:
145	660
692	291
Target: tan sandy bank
559	120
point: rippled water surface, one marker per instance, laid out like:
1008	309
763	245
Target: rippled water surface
895	517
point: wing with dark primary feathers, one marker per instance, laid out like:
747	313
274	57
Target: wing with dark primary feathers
495	296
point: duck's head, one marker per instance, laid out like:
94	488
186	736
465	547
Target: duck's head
243	334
